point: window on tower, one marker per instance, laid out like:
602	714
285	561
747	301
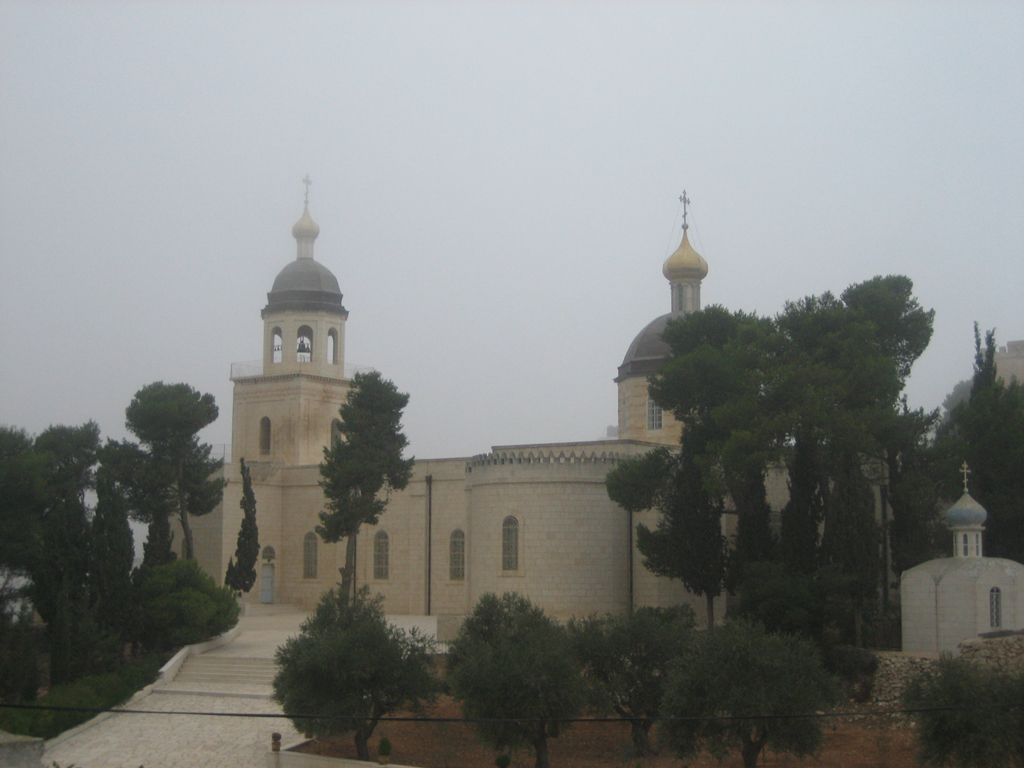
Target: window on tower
655	417
264	436
304	345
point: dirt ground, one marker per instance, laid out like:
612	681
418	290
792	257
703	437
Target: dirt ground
865	743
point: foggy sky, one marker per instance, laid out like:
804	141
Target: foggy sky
496	186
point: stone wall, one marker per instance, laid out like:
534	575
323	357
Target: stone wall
1002	651
894	671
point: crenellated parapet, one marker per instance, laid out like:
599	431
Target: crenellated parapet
543	458
604	454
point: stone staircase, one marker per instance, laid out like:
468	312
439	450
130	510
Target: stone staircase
207	669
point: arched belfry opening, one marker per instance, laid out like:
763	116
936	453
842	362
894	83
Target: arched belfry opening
275	345
304	345
332	347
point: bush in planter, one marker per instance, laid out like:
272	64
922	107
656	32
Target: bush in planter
384	747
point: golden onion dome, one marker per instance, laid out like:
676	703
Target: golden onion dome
305	227
685	263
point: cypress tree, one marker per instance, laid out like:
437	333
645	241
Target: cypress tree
241	574
113	553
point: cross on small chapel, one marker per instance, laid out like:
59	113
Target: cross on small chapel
965	472
308	182
685	201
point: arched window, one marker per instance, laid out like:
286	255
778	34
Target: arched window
335	431
268	554
275	345
965	545
332	347
457	555
654	416
309	556
510	544
995	607
264	436
380	555
304	345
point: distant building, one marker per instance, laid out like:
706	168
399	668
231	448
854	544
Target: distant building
534	519
1010	362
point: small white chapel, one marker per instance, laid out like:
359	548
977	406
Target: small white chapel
951	599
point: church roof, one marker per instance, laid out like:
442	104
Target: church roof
647	352
966	513
685	263
305	284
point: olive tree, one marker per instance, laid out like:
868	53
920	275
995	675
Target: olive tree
349	668
739	686
512	668
626	661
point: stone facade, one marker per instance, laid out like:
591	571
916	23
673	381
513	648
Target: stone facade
1010	362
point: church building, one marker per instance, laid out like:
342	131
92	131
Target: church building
533	519
952	599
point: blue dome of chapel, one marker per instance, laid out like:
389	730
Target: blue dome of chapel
966	513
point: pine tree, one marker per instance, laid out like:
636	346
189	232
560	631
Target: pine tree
241	575
359	471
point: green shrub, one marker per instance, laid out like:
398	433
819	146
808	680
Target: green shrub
972	716
91	692
182	605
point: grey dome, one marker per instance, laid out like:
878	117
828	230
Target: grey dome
647	352
305	284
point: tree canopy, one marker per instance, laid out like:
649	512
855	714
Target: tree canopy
166	418
971	715
985	431
745	682
513	667
815	390
351	668
360	469
626	660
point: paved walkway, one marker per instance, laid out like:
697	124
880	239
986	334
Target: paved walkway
191	740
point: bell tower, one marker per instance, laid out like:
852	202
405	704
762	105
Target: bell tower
285	406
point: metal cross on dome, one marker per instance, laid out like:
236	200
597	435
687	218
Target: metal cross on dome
965	471
308	182
685	201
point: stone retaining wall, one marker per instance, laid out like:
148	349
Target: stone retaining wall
1002	651
895	669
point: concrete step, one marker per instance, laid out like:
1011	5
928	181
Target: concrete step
216	669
